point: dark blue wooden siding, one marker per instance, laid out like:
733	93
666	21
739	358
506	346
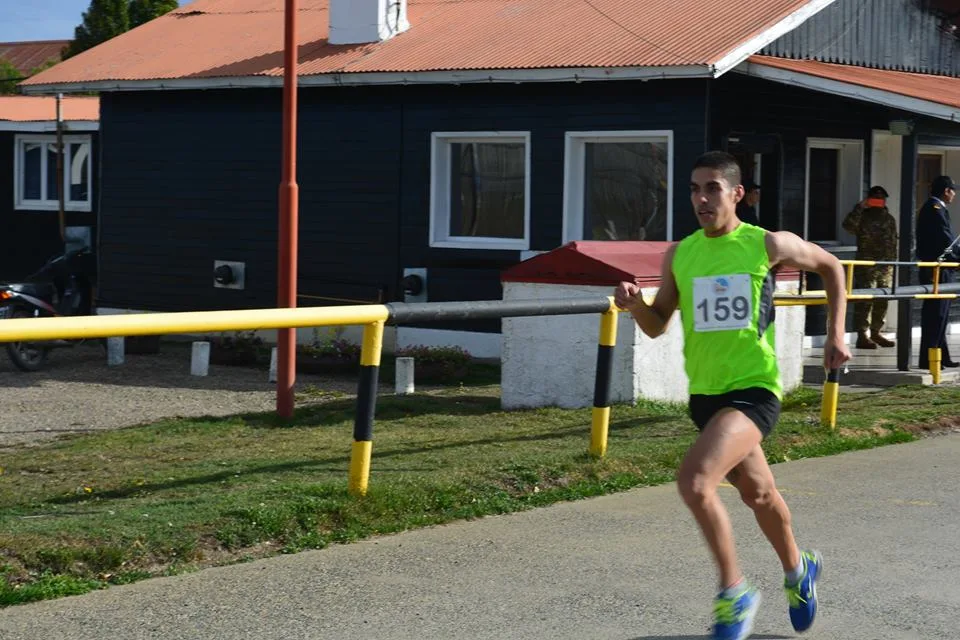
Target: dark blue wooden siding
34	236
750	106
886	34
191	177
745	105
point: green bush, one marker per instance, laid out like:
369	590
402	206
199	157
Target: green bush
242	348
437	363
331	347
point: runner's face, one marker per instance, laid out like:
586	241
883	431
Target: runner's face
714	200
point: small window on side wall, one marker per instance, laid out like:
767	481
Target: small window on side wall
35	173
618	185
480	190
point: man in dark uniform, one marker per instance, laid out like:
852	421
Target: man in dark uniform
747	207
934	235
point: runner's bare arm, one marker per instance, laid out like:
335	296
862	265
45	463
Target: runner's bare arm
653	319
785	248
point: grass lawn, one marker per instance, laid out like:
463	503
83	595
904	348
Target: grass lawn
88	511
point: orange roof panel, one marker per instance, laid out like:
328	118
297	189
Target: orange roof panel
37	109
244	38
943	90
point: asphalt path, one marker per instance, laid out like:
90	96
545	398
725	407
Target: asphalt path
630	566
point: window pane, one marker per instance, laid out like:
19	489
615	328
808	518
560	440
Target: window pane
32	159
52	192
487	196
78	177
625	191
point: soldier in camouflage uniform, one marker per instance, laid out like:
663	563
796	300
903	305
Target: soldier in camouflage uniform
876	232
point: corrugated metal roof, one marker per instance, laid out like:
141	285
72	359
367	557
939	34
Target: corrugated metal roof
27	56
885	34
34	109
243	38
943	90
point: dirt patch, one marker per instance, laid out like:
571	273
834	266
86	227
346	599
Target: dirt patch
940	426
945	424
877	431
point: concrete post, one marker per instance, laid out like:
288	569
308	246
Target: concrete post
115	351
272	375
200	359
404	376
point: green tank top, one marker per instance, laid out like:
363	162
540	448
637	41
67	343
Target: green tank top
726	305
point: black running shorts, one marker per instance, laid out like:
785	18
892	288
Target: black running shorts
758	404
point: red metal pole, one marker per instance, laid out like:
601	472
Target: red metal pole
289	201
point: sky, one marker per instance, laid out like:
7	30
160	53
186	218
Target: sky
42	19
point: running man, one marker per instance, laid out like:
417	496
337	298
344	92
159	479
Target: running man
722	280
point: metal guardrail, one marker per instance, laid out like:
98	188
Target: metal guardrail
374	317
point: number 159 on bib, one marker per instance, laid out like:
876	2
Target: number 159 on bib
722	303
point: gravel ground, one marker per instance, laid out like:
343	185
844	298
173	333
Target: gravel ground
77	392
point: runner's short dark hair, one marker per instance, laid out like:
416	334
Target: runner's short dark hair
720	161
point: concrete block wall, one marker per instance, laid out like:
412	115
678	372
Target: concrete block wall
551	360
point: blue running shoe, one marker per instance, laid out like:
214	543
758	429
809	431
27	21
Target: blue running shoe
802	597
734	615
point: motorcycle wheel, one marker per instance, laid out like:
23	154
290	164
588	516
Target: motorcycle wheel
26	356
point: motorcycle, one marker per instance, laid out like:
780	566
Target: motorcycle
61	287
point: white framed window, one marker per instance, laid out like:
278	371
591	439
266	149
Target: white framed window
35	173
618	185
834	186
480	190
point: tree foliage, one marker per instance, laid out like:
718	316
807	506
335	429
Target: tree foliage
9	77
105	19
143	11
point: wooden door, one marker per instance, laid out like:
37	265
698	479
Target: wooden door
822	214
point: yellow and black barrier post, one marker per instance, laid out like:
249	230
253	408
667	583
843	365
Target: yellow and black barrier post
849	273
366	407
831	397
604	375
934	357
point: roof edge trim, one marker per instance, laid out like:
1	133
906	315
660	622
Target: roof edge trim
851	90
749	47
487	76
69	126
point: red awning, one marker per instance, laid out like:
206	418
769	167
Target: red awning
601	263
593	262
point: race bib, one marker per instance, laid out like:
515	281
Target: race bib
722	303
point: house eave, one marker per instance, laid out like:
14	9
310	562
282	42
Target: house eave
852	90
749	47
49	126
483	76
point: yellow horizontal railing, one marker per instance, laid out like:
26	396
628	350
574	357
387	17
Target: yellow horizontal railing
894	263
372	317
142	324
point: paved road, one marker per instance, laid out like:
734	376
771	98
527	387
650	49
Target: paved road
623	567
